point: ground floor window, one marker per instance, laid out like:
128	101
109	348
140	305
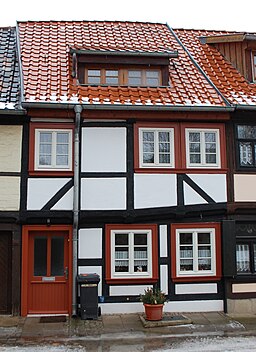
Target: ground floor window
246	257
195	248
131	252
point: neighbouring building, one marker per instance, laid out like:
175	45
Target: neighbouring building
11	131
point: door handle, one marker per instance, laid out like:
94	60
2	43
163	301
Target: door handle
66	273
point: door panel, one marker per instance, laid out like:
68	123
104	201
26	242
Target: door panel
48	267
5	272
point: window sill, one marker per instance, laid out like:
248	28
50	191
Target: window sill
131	280
51	173
196	278
161	170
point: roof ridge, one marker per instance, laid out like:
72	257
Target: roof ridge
92	21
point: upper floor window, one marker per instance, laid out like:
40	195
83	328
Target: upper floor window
53	149
203	148
127	77
246	145
156	147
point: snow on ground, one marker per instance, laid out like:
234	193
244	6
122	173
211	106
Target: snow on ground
204	344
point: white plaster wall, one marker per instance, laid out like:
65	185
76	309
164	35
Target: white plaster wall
41	190
244	188
191	196
103	194
10	148
133	290
164	278
90	243
9	193
155	190
171	307
215	185
103	149
163	240
188	289
92	270
66	202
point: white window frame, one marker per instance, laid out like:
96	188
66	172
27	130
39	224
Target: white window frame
131	274
195	271
156	164
53	166
203	163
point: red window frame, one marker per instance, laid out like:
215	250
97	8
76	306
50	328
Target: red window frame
180	162
32	141
217	276
137	280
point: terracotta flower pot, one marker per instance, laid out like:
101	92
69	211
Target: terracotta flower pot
153	311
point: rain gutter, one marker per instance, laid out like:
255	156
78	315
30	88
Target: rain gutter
198	66
169	54
76	190
48	105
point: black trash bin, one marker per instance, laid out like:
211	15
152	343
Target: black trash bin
89	295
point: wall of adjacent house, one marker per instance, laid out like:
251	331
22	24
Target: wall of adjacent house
10	167
244	188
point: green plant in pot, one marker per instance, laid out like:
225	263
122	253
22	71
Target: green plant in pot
153	300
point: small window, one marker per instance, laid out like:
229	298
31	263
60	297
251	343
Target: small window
121	76
246	257
246	144
156	147
203	148
131	253
195	252
53	149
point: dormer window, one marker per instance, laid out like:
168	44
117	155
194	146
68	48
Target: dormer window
119	68
135	77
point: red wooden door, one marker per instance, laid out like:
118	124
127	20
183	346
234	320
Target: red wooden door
48	272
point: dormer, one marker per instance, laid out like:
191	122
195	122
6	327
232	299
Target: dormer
124	68
239	49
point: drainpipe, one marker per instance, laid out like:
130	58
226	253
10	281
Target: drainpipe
78	109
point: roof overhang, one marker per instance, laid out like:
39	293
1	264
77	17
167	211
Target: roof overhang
165	54
227	38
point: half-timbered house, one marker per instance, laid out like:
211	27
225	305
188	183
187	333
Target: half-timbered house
127	170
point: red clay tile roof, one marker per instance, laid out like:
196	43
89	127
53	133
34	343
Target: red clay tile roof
46	64
224	76
9	72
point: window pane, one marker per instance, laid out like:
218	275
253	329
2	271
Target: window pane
62	137
245	152
140	239
148	147
111	77
204	238
185	238
152	78
210	136
45	148
204	264
186	251
204	251
164	158
121	239
94	77
148	158
195	158
61	160
186	265
242	258
210	159
194	137
57	256
246	132
40	256
254	255
134	78
122	266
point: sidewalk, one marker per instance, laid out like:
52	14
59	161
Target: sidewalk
32	330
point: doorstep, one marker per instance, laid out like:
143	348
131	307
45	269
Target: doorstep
168	320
